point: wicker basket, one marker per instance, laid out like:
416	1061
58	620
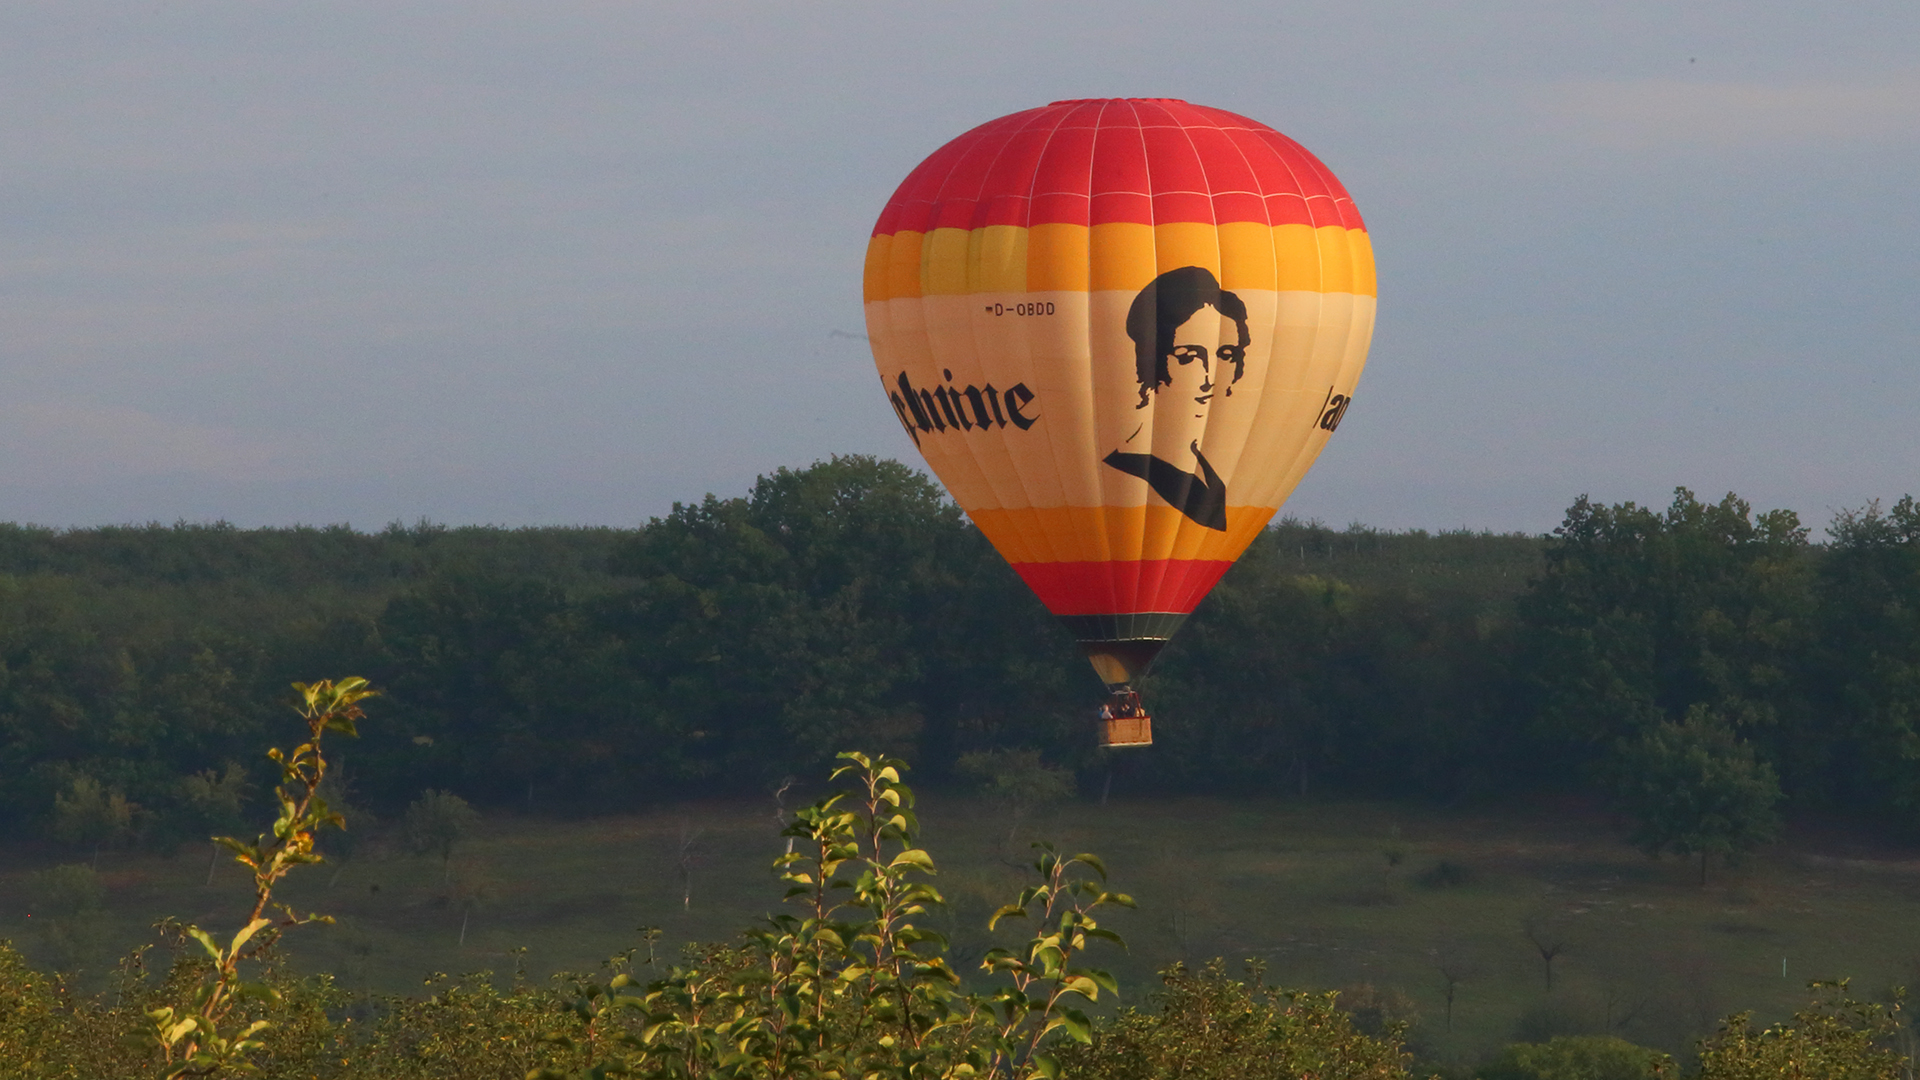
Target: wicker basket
1126	731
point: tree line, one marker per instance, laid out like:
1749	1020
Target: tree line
738	641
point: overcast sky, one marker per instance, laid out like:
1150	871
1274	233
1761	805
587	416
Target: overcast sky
566	263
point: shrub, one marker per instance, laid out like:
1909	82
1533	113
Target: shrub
1834	1038
1207	1026
465	1029
69	909
37	1025
48	1032
1576	1057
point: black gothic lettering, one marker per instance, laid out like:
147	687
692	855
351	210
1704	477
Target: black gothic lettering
933	411
960	408
979	403
913	403
1019	397
945	399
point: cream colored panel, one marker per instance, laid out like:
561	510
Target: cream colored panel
1327	384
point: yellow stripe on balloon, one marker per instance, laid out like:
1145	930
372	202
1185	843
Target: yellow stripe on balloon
1247	256
1119	256
1114	533
1364	282
944	255
1122	256
997	259
1058	259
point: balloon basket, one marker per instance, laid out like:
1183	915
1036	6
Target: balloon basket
1124	721
1119	731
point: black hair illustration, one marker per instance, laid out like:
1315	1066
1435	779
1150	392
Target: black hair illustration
1169	301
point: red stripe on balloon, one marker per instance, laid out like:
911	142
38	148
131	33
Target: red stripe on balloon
1122	588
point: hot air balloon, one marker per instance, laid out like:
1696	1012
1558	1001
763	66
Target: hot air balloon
1120	331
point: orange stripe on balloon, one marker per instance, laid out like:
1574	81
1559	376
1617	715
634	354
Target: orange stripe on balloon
1105	533
874	284
903	265
1126	587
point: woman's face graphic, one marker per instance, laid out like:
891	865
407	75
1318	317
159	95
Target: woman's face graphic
1201	364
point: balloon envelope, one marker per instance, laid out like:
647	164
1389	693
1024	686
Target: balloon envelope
1119	332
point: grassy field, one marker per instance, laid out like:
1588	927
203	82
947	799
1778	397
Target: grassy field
1329	895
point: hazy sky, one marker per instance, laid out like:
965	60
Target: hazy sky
571	262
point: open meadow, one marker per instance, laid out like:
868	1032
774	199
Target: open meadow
1405	901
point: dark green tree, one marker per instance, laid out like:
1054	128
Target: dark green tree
1017	781
86	814
1695	789
848	602
501	684
1640	615
1868	659
1355	659
437	823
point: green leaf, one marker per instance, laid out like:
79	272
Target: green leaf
1011	911
206	942
912	857
246	932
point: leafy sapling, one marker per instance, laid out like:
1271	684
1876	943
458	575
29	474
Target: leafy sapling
1043	974
848	983
205	1037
